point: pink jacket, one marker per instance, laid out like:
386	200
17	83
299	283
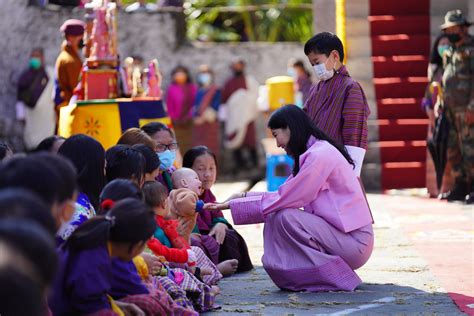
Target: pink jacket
325	186
179	99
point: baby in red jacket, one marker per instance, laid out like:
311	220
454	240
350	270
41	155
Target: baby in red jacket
166	242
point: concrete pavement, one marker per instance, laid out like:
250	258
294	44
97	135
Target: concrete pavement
398	279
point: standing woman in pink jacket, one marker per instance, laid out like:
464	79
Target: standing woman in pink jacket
318	225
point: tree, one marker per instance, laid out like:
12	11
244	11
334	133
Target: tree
244	20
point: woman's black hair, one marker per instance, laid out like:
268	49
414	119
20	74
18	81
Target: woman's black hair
88	156
301	129
48	143
33	174
19	294
4	149
117	190
152	162
66	173
193	153
181	68
125	163
435	57
324	43
19	203
29	240
155	127
129	221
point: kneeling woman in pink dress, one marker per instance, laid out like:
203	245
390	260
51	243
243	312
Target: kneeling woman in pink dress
318	225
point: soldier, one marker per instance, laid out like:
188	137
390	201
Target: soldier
458	82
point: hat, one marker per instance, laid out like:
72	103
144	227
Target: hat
453	18
183	202
73	27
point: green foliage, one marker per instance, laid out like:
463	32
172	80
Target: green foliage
244	20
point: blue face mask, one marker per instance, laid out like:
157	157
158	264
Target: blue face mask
291	72
35	63
204	79
442	49
167	159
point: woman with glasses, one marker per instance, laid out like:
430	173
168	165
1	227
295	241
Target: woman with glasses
166	149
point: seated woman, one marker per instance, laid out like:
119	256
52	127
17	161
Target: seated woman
166	149
318	225
217	238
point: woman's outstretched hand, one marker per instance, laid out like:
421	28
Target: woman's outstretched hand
217	206
237	195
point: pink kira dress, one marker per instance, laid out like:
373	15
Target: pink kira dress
318	225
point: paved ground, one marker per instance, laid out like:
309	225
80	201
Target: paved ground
415	263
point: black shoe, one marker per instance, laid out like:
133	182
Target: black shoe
458	193
470	198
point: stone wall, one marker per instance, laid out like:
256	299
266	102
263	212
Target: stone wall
156	35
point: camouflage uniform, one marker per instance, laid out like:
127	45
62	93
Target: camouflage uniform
458	97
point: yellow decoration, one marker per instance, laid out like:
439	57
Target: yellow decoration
115	307
281	91
341	23
100	121
164	120
141	266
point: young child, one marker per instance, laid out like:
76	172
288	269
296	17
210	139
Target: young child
152	162
166	233
167	242
134	277
166	237
27	266
58	192
85	280
124	162
337	104
184	199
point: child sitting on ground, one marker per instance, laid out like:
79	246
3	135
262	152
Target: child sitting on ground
167	242
84	284
167	237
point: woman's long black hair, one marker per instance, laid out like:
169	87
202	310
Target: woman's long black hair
129	221
88	156
301	129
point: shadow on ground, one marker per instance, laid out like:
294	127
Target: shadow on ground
253	293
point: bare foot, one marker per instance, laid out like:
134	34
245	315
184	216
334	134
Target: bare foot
215	290
206	271
228	267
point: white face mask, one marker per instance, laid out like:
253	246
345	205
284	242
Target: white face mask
322	73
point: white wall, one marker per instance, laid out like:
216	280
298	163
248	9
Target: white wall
150	35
